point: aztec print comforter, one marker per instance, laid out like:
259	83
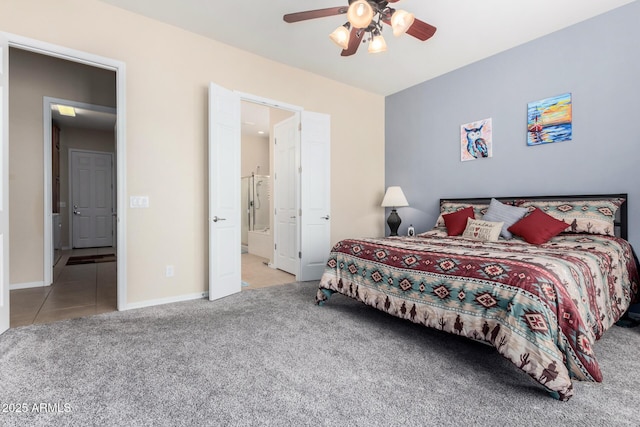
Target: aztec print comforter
542	307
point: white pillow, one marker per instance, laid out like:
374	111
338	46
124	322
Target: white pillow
486	231
508	214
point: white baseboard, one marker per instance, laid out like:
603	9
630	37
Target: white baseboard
169	300
27	285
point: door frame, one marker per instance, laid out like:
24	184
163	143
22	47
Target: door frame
113	195
297	112
47	102
119	67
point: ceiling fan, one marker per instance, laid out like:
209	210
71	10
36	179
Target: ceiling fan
365	17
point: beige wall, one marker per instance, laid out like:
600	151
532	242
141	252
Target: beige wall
167	72
255	152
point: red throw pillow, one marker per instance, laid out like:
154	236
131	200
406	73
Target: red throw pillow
538	227
456	222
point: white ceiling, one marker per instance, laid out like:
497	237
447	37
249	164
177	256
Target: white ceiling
468	30
255	119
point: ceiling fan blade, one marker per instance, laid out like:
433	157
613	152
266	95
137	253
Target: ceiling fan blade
421	30
355	39
312	14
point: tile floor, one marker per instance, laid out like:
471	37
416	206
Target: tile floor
86	289
77	290
257	274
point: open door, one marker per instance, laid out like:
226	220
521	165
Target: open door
224	193
286	162
315	183
4	184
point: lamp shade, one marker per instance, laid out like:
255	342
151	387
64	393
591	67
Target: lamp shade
341	37
360	14
401	20
394	197
377	45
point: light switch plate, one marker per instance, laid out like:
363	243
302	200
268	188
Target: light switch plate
139	202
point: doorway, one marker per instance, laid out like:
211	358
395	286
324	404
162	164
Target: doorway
91	130
257	196
36	49
312	177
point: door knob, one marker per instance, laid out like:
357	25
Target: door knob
216	219
75	212
325	217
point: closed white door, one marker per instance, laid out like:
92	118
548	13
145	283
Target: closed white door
4	185
315	181
286	166
91	198
224	193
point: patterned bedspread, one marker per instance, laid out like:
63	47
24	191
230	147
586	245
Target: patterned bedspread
542	307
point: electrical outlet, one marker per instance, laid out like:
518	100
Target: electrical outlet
169	271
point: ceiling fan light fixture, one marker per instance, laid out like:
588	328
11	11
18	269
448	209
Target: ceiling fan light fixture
340	36
360	14
377	44
401	21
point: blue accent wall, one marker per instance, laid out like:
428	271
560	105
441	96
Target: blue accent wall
597	61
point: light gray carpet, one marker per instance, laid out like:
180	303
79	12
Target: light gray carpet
271	357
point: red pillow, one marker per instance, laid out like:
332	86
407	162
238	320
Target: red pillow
538	227
456	222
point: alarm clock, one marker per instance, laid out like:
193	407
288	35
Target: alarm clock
411	231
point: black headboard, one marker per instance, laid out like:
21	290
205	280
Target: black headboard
620	221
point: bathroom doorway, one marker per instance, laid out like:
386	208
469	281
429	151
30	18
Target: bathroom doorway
257	189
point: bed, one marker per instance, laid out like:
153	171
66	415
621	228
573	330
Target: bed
542	302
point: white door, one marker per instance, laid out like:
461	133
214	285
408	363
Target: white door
224	192
315	182
286	166
92	199
4	185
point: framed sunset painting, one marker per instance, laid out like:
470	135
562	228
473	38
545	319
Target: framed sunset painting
549	120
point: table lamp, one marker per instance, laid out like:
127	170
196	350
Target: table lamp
393	198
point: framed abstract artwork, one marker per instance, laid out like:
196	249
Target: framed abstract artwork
475	140
549	120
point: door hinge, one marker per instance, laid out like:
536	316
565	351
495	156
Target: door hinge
275	141
300	126
300	255
299	212
275	246
300	169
